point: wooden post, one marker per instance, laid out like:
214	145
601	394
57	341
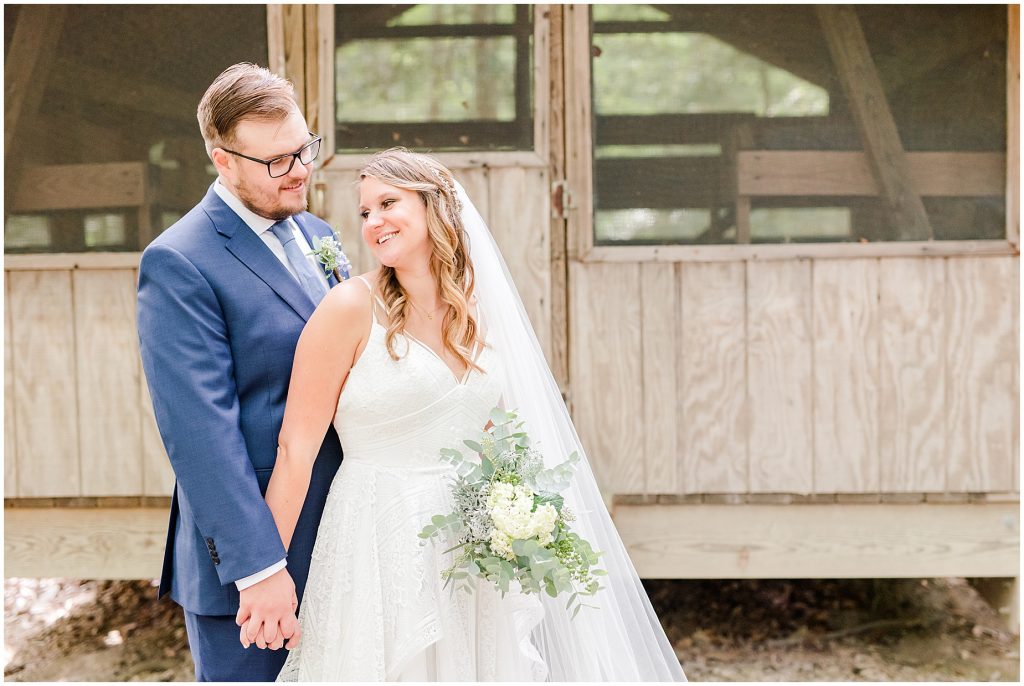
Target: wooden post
556	160
30	59
870	108
1013	124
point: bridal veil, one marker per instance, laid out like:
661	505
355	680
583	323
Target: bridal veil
622	640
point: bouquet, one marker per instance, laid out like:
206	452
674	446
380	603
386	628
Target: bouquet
509	522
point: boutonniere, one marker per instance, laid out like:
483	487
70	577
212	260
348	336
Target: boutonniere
331	257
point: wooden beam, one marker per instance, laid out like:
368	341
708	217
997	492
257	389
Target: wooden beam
800	173
871	112
55	261
30	58
792	251
84	543
845	541
295	50
80	186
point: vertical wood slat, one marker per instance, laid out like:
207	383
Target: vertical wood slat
779	376
1015	372
275	39
519	220
979	360
556	163
607	398
10	442
579	139
658	289
711	378
912	431
46	408
1013	125
846	330
108	377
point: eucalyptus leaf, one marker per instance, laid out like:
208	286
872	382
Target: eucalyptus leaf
474	446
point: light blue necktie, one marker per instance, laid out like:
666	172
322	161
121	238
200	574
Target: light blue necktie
310	281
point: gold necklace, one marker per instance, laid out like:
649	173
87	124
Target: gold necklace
426	314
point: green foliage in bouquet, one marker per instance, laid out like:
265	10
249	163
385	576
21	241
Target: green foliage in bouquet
509	523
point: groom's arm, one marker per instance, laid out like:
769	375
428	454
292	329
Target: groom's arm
190	372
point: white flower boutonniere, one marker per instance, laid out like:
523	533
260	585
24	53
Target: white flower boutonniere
329	254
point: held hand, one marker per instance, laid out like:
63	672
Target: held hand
265	608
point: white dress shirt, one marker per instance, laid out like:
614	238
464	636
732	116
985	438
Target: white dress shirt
261	227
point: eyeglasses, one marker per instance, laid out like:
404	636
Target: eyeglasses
282	164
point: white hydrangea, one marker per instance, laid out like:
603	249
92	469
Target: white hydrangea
511	509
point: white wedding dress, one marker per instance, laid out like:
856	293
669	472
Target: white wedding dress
374	608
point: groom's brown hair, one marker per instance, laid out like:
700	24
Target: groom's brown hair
242	91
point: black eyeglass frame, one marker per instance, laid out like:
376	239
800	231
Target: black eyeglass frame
294	155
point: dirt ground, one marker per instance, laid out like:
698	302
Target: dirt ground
778	630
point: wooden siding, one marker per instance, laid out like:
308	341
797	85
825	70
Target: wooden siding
849	376
78	417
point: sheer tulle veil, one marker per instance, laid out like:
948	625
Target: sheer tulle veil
622	640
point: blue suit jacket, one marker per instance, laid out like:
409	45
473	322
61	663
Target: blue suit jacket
219	317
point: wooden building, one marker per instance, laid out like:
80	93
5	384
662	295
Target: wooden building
772	253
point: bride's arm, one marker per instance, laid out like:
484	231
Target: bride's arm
326	351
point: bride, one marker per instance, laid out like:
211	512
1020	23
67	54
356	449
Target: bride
405	360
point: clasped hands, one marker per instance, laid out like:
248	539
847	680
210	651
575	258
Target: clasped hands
266	613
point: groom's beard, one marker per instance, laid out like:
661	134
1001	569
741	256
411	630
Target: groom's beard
270	205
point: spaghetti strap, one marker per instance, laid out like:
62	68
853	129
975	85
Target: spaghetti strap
365	282
379	302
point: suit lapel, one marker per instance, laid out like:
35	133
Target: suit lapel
251	251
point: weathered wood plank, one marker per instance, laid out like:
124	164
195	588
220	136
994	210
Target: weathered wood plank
1015	373
792	251
711	378
275	39
846	334
658	295
519	221
821	541
980	354
46	404
108	377
790	173
1013	125
10	431
912	430
84	543
579	135
607	400
779	376
870	108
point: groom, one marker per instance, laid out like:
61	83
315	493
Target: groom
223	296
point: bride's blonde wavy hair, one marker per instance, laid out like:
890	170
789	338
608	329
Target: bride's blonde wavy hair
449	257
